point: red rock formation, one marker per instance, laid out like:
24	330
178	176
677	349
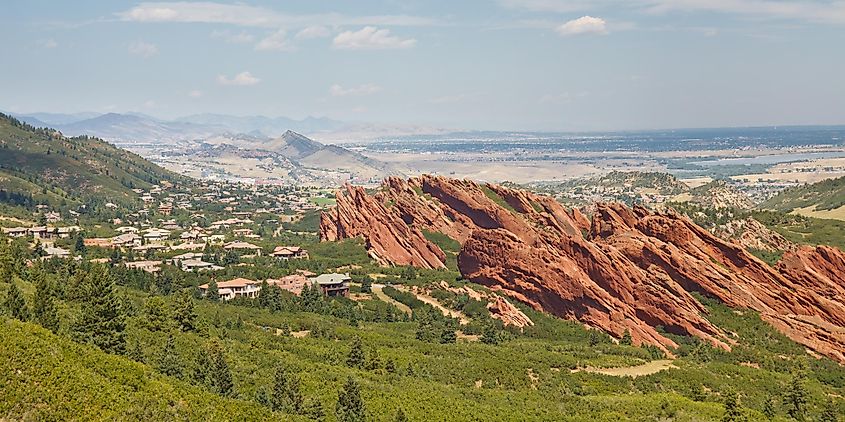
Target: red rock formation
630	269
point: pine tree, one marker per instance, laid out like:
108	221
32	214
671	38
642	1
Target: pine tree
448	336
263	294
350	407
287	392
79	244
15	304
390	366
355	359
626	339
220	376
213	293
733	411
156	316
313	409
795	399
367	284
830	412
184	313
102	322
169	362
201	373
490	335
769	407
373	360
44	308
400	416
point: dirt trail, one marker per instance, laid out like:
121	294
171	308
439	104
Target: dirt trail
433	302
377	290
648	368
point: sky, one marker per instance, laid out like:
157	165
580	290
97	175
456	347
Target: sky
545	65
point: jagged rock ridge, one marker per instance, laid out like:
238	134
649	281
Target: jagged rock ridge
629	269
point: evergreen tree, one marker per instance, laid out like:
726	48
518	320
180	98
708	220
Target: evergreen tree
169	362
355	359
795	399
213	293
263	295
350	407
769	407
287	392
220	377
390	366
156	316
367	284
201	373
184	313
594	338
626	339
448	336
373	360
400	416
79	244
313	409
15	304
490	335
102	322
44	310
830	412
733	411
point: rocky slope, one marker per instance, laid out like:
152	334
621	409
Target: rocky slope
629	269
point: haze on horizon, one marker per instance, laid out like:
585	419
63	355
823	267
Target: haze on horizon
549	65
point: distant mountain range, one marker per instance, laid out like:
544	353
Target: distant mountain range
142	128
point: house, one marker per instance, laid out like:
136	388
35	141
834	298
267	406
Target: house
242	232
151	267
196	265
292	283
165	209
289	252
126	239
41	232
53	217
238	287
244	247
55	252
156	236
15	231
66	232
333	284
188	256
187	246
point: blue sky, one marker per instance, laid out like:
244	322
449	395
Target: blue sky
473	64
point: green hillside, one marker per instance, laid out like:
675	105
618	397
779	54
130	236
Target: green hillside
40	166
47	377
825	195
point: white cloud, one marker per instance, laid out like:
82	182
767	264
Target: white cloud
583	25
241	79
371	38
49	43
195	93
276	41
822	11
314	31
149	104
233	37
245	15
366	89
143	49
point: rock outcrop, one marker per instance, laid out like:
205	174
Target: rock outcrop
629	269
750	233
